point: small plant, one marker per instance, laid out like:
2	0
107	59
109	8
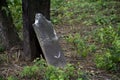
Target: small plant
106	36
110	55
92	47
30	71
104	61
34	71
53	73
80	45
66	73
50	72
12	78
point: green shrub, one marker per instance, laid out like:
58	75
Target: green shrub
66	73
109	41
12	78
50	72
30	71
115	50
106	36
81	45
104	61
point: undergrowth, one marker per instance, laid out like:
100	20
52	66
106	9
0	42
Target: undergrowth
101	13
80	44
105	14
87	12
41	71
109	42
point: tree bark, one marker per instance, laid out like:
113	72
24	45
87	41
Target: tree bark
30	8
8	34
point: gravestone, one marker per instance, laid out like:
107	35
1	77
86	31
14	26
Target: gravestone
48	41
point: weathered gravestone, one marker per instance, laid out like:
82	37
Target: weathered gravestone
48	41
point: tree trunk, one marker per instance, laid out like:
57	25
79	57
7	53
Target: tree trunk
8	35
30	8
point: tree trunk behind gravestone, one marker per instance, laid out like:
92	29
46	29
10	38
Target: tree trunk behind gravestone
8	35
30	8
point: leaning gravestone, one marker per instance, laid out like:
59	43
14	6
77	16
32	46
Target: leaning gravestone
48	41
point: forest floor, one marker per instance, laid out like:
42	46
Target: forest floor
86	64
13	66
89	12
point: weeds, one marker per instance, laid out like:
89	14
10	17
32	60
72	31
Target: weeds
110	42
30	71
80	44
95	12
12	78
50	72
